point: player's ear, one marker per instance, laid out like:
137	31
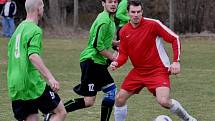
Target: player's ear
103	3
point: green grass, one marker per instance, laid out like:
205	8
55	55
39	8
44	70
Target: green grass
194	87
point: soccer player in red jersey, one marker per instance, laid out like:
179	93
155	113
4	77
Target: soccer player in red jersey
141	41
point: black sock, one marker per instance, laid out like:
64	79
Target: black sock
106	110
74	104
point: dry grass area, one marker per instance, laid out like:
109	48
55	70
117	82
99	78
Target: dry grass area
194	87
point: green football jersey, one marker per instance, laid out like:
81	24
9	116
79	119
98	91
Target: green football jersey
122	13
101	34
24	80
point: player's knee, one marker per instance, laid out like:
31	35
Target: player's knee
120	100
61	111
89	101
63	114
164	102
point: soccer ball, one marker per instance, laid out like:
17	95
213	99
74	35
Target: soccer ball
162	118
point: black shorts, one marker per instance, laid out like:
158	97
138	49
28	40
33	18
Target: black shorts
94	77
47	102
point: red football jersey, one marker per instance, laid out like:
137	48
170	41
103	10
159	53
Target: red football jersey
143	45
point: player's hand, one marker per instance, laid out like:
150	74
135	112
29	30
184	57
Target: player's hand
115	55
175	68
113	65
54	84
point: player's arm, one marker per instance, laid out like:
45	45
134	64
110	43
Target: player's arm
99	42
170	37
34	50
123	56
38	63
108	55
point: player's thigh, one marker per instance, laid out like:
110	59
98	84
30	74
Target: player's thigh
87	87
48	101
32	117
101	76
162	96
133	82
89	100
162	92
154	82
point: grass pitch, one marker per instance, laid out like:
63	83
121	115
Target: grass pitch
194	87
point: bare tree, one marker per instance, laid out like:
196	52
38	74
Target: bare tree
54	12
171	14
75	21
182	15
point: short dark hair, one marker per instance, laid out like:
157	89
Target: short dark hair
134	3
105	0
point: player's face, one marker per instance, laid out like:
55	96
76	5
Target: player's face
110	5
40	9
135	13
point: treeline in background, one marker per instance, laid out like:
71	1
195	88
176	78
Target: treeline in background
187	16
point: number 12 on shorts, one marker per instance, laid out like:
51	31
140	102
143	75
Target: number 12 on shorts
91	87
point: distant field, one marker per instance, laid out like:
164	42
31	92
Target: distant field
194	87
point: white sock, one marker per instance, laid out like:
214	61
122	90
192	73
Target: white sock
120	113
178	110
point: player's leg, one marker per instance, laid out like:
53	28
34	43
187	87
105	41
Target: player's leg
105	82
79	103
121	110
50	101
86	88
59	113
178	110
75	104
108	101
162	97
131	85
32	117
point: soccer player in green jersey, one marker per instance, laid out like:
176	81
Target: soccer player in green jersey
122	15
93	61
27	90
121	18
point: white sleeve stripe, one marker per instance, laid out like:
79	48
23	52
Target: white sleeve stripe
162	52
170	32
